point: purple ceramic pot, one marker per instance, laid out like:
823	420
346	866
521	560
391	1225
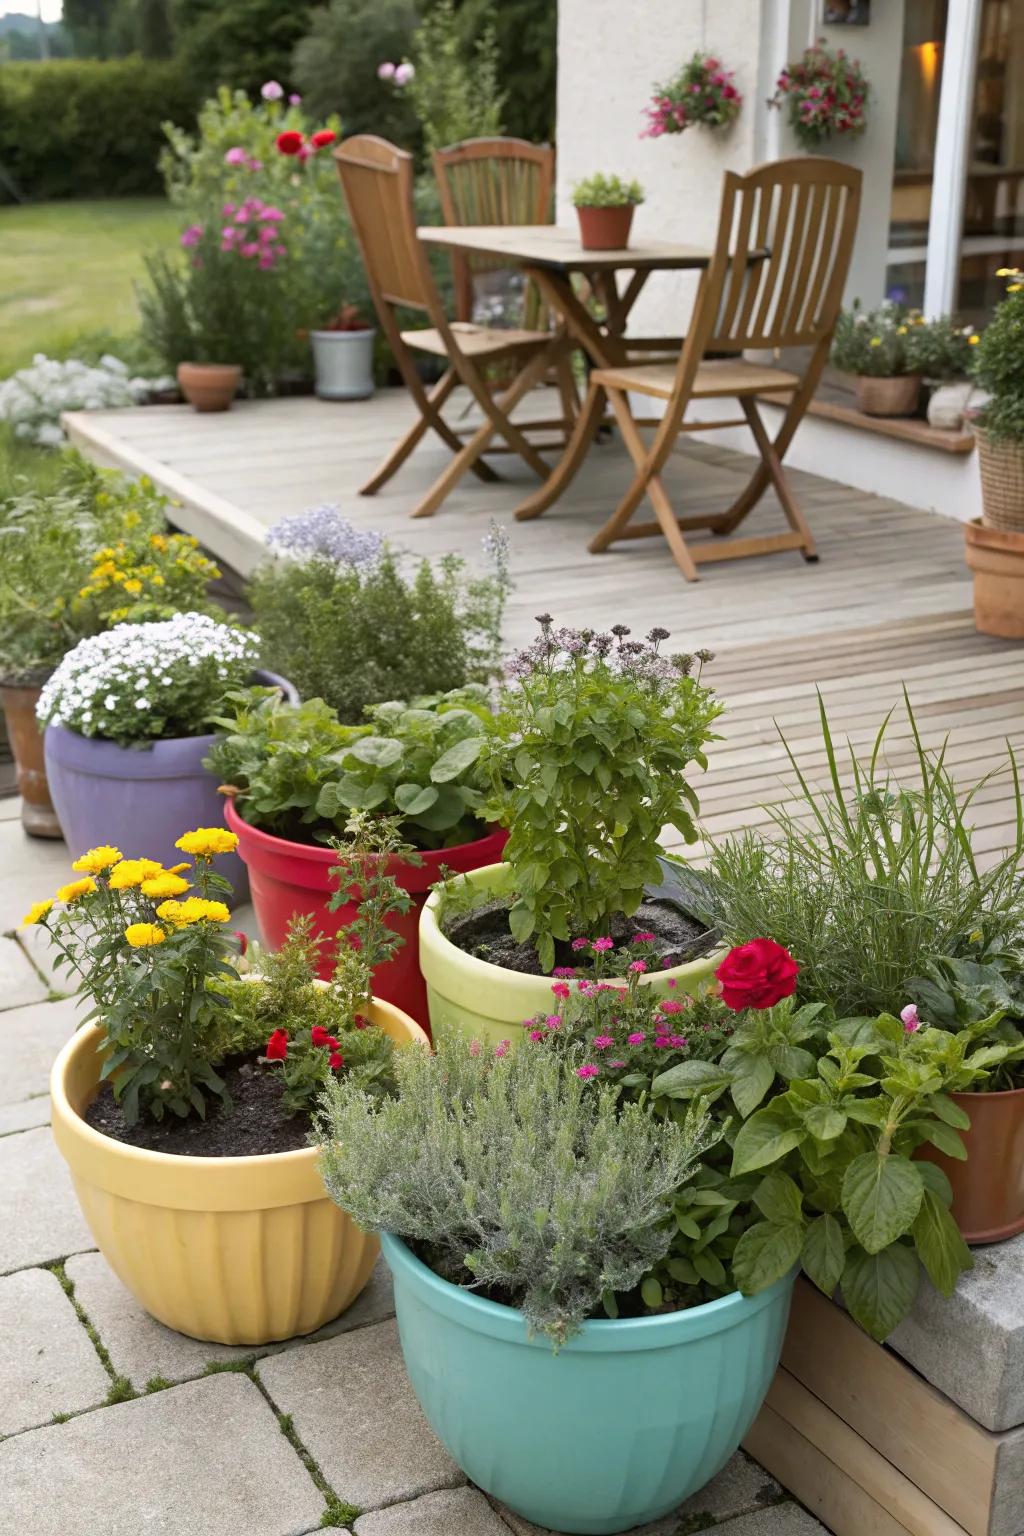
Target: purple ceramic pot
140	798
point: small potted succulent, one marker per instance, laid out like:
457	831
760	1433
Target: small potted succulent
127	725
825	94
703	92
995	546
604	206
343	356
586	764
877	347
183	1106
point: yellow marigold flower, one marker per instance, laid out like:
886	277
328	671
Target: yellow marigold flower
972	341
158	540
36	912
193	910
162	886
97	860
876	341
76	888
901	330
133	586
204	842
1014	287
144	935
177	869
157	579
132	872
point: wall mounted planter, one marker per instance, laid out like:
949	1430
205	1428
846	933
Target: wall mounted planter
627	1420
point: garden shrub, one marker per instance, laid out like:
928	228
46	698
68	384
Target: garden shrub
335	67
89	127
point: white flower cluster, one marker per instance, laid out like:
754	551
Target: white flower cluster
34	399
130	683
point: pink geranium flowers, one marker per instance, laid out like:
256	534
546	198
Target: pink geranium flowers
704	91
252	232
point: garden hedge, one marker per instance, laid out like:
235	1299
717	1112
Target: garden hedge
88	127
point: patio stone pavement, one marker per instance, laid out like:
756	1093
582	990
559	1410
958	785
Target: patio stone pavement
237	1440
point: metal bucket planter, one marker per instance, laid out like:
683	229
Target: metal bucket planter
343	361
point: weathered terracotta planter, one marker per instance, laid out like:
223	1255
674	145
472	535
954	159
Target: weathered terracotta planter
996	556
38	816
897	396
988	1189
209	386
238	1250
1002	483
605	229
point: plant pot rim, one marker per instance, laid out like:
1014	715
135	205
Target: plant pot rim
597	1335
272	842
995	1093
361	331
259	1180
520	984
214	367
1010	540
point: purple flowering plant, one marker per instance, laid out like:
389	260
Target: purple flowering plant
595	733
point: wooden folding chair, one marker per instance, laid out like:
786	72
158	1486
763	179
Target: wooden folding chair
377	181
503	181
785	237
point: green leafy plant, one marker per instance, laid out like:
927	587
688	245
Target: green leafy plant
343	619
871	877
296	771
594	734
511	1175
879	343
999	364
454	90
955	994
942	350
600	191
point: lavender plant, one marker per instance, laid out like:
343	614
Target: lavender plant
594	735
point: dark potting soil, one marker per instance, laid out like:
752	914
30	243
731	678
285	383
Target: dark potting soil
254	1125
679	935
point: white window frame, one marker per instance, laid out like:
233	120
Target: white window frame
952	142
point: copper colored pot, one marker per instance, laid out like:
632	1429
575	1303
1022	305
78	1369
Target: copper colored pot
209	386
896	396
988	1189
37	814
996	556
605	229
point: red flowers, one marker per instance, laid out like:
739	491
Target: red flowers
321	1036
277	1046
757	975
290	141
323	137
337	1060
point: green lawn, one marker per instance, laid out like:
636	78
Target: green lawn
68	269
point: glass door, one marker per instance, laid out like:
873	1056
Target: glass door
924	32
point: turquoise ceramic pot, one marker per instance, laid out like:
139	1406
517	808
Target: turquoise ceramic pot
626	1421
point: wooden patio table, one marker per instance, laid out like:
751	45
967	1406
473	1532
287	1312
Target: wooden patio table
548	257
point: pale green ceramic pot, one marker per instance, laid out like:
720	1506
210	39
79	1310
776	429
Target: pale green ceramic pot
488	1003
626	1421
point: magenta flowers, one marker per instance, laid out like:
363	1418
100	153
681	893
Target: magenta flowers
704	91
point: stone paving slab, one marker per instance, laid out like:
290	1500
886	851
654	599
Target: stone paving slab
47	1362
971	1345
20	982
33	868
30	1038
741	1487
355	1412
196	1460
141	1348
451	1512
26	1115
779	1520
35	944
39	1216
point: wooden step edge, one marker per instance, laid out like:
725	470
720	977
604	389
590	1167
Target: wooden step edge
906	429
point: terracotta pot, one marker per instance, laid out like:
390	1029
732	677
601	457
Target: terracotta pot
209	386
605	229
1002	483
896	396
988	1189
997	559
38	816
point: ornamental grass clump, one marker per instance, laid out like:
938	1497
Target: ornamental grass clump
142	682
342	616
511	1176
587	763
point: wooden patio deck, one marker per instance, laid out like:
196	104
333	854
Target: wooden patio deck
888	604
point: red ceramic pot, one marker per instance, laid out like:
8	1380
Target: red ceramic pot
289	879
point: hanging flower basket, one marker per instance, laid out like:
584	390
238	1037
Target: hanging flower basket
703	91
825	94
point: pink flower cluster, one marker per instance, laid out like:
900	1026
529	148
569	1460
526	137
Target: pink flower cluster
251	229
827	94
236	155
703	92
398	74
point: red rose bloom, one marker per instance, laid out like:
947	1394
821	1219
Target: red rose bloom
277	1046
323	137
337	1061
319	1035
290	142
757	975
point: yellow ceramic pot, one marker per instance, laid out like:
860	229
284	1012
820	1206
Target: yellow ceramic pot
238	1250
491	1004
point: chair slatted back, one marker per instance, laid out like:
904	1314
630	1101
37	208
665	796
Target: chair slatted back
785	239
377	180
493	181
